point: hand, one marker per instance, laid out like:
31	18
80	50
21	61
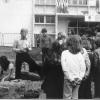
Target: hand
24	50
6	78
85	77
77	81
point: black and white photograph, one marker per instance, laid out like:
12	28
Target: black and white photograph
50	49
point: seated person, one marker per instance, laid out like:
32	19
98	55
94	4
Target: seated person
6	69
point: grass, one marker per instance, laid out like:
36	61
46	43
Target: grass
7	51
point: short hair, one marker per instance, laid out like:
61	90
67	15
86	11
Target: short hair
24	30
4	62
44	30
60	33
74	44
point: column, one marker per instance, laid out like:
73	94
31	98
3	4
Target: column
33	22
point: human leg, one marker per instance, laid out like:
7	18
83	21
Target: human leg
75	92
18	63
67	90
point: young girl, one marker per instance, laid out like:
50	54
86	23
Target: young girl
6	69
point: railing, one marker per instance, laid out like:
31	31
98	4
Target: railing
7	39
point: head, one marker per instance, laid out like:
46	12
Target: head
59	34
97	42
4	62
44	31
74	44
56	46
23	33
86	43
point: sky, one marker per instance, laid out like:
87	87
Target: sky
14	15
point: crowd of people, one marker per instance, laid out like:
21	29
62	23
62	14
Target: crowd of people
69	64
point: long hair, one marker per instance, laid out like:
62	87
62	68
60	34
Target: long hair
97	42
74	44
86	43
4	62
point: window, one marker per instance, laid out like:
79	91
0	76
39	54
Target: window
77	2
39	19
50	19
84	2
40	2
50	2
80	2
69	1
43	2
74	1
44	19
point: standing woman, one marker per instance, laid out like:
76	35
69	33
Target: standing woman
73	65
53	82
85	87
97	69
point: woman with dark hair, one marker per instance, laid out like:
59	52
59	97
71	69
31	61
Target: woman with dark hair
97	69
85	87
7	69
53	83
73	65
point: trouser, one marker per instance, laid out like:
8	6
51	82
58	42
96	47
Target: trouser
24	57
70	92
44	54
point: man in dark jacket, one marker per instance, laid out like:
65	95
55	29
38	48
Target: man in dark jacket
45	43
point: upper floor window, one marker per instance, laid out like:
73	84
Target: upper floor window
44	19
50	2
40	2
85	2
45	2
77	2
80	2
39	19
50	19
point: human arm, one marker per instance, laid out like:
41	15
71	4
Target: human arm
10	72
65	67
15	47
87	62
88	65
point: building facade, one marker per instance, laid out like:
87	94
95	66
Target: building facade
55	15
65	15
